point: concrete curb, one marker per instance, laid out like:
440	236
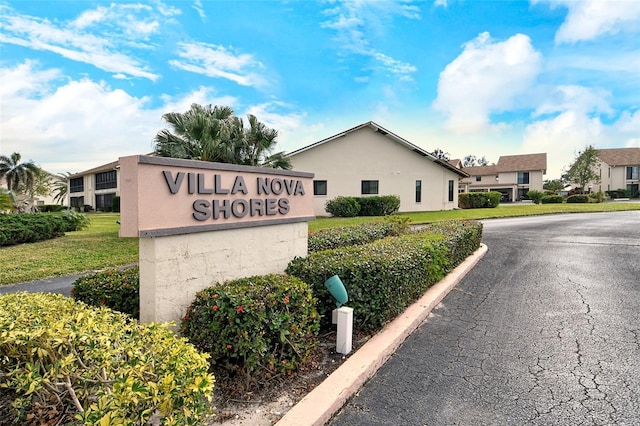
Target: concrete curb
328	397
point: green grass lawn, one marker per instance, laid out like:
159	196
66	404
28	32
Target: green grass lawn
95	247
503	210
99	245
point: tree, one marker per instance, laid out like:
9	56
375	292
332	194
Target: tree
7	201
209	133
555	185
440	154
20	177
582	171
473	161
61	187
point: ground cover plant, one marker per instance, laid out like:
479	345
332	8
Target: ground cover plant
66	360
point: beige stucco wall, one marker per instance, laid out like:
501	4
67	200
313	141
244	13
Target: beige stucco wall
367	155
173	268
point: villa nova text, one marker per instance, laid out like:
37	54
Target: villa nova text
270	197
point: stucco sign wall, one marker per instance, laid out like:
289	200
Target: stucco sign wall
166	196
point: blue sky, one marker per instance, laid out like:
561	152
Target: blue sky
85	82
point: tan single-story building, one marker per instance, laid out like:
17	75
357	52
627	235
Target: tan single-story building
370	160
618	168
513	176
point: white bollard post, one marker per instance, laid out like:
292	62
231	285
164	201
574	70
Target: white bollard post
344	339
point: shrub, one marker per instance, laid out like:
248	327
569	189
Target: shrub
597	197
254	328
75	221
51	208
378	205
331	238
478	200
618	193
535	196
382	278
114	288
98	364
552	199
342	207
578	198
29	228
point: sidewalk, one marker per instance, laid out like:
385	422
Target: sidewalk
60	285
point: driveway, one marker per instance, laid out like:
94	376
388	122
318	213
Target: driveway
544	330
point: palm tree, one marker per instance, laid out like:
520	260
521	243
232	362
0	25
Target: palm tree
259	141
19	176
215	134
61	187
7	201
198	134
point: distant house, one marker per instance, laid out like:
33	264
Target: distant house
619	168
95	188
370	160
513	176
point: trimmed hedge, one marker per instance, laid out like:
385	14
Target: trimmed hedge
382	278
118	289
578	199
378	205
30	228
254	328
479	200
97	364
342	207
363	206
552	199
332	238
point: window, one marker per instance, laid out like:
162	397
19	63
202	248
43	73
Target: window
319	187
107	180
523	178
633	172
77	201
450	190
418	191
633	189
478	178
76	185
369	187
103	201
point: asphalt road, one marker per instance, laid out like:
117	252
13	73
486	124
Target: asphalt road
545	330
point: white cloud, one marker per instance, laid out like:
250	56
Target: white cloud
197	6
567	133
219	62
98	37
442	3
358	23
81	124
589	19
487	77
278	115
575	98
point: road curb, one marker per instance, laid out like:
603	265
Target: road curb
317	407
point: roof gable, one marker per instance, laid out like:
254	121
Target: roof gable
620	156
514	163
379	129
